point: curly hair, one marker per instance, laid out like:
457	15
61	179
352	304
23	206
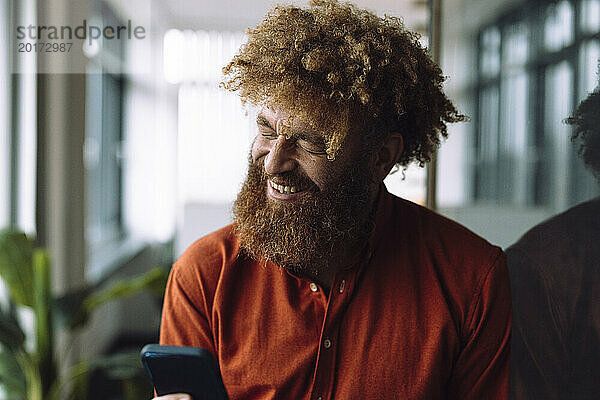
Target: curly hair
336	66
586	122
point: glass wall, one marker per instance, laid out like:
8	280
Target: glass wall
534	66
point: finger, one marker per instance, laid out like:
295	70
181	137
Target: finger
174	396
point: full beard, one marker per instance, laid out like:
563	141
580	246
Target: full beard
305	235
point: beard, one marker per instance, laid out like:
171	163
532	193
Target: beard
305	235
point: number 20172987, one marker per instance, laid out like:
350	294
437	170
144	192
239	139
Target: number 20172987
44	47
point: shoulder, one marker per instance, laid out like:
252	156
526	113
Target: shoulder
207	258
560	236
562	248
456	267
446	254
443	237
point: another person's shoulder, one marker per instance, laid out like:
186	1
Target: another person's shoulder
557	240
563	226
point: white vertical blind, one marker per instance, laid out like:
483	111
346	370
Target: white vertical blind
214	132
26	128
4	116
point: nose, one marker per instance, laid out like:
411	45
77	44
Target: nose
279	156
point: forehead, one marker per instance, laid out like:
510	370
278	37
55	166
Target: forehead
278	118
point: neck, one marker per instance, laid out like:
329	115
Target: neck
343	254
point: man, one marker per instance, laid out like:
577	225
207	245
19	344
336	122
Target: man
326	286
555	276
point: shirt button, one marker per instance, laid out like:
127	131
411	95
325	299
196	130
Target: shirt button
313	287
342	286
319	398
327	343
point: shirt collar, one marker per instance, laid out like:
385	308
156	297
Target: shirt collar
382	216
380	222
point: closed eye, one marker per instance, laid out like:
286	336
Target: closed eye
269	135
311	145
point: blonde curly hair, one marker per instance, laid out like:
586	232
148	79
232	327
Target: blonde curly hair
334	65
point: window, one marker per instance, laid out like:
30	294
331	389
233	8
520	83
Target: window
5	142
102	150
105	86
535	66
214	133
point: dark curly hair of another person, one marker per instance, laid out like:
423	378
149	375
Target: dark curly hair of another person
586	121
341	68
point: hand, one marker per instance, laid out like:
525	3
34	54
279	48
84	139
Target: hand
174	396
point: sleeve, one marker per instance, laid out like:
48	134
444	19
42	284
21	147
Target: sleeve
538	355
481	370
185	315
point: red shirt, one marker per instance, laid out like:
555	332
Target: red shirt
424	314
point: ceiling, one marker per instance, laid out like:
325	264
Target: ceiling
241	14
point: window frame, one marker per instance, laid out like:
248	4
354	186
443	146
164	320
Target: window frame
105	231
537	66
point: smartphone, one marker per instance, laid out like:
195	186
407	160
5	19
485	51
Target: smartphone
180	369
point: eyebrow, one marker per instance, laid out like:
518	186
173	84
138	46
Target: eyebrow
303	135
263	121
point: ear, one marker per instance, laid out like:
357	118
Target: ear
388	154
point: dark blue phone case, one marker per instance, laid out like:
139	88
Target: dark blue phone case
179	369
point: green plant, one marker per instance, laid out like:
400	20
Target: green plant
31	372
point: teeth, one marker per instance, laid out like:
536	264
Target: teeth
284	189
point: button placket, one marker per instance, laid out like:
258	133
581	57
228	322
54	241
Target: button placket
325	372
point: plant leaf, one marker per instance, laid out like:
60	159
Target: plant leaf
73	309
154	280
12	378
124	365
43	317
16	269
11	334
68	309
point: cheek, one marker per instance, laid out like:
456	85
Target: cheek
258	149
323	173
329	174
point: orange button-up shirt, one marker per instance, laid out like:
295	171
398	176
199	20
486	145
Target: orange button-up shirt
424	314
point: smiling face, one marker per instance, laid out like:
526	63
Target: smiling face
295	158
296	206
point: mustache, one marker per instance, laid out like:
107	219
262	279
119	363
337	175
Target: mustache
296	177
